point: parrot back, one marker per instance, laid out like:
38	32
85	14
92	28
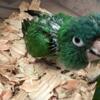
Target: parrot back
40	34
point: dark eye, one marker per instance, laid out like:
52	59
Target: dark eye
77	41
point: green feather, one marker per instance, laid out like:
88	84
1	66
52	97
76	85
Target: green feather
36	40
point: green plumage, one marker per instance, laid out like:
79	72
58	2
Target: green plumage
36	40
66	36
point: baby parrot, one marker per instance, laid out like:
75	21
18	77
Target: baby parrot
65	37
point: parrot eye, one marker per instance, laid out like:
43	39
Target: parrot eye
77	41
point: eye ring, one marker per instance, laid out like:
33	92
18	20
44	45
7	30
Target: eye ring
77	41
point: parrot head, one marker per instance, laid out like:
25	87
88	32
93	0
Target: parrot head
76	41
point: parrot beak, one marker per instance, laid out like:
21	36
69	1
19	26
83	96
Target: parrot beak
94	52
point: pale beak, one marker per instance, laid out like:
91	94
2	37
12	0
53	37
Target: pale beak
94	53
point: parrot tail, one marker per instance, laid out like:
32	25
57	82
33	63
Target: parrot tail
25	25
34	12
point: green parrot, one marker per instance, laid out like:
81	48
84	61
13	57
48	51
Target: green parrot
97	90
67	38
